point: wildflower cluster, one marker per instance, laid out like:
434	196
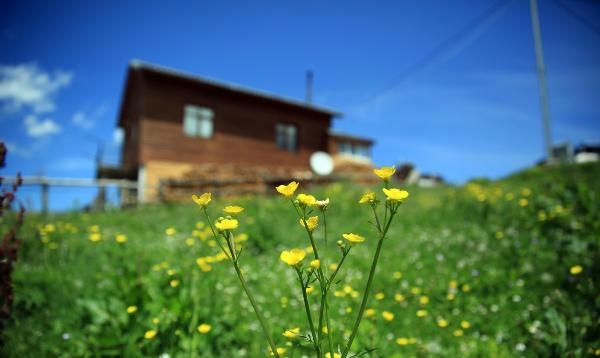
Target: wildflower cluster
314	271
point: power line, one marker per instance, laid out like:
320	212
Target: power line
580	18
460	38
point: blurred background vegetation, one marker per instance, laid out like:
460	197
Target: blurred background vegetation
493	269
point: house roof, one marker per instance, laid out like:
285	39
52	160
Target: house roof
351	137
144	66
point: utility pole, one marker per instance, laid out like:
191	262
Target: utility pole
541	72
309	86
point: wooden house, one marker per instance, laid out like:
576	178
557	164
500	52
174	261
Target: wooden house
185	133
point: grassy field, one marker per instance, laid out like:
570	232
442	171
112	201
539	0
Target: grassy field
492	269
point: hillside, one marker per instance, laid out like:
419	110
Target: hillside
493	269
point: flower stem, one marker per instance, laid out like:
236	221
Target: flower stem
308	314
193	321
261	320
329	333
363	304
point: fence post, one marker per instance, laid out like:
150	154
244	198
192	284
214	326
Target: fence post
45	189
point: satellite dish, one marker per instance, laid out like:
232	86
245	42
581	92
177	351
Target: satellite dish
321	163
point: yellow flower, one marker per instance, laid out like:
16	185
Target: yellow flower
241	238
204	328
305	199
121	238
523	202
292	333
367	198
203	265
442	323
369	312
576	270
280	351
458	333
398	297
387	315
353	238
150	334
385	173
310	289
203	199
292	257
421	313
401	341
95	237
287	190
379	296
170	231
131	309
542	216
226	224
465	324
335	355
233	209
174	283
395	194
423	300
312	222
315	264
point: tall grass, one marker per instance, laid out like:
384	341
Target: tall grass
494	269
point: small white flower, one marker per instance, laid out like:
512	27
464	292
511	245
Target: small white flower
322	204
520	347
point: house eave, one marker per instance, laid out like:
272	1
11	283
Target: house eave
138	65
351	137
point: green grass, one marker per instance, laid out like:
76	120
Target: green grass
489	263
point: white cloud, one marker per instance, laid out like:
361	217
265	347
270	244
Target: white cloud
74	164
26	151
80	119
26	85
118	137
88	119
40	128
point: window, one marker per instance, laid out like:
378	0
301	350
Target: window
354	149
198	121
345	148
362	151
286	137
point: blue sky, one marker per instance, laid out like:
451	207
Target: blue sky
450	86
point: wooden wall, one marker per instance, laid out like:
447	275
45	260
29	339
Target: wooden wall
244	127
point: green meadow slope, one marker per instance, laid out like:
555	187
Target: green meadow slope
491	269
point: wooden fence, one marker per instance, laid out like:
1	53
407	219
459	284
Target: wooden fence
128	188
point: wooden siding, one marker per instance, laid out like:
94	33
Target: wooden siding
244	128
131	109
